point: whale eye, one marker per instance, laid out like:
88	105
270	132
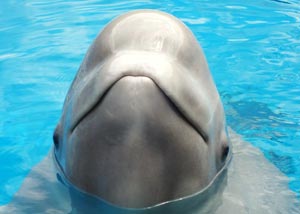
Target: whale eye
56	139
225	151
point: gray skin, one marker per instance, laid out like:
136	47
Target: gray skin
142	123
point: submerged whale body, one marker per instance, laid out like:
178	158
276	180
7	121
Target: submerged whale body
142	123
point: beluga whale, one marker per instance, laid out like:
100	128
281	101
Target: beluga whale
142	123
143	130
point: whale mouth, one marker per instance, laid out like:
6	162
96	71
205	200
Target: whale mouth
139	143
175	81
132	128
174	107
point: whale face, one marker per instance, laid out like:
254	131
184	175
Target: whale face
142	123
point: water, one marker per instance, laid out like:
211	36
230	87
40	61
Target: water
252	47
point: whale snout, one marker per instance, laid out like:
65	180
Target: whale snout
143	123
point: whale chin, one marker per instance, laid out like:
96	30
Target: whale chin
135	149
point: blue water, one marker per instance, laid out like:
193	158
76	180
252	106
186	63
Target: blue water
252	47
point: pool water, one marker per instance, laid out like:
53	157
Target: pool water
252	48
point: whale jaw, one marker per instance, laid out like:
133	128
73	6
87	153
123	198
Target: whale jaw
135	149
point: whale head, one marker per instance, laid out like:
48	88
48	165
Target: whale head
142	123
